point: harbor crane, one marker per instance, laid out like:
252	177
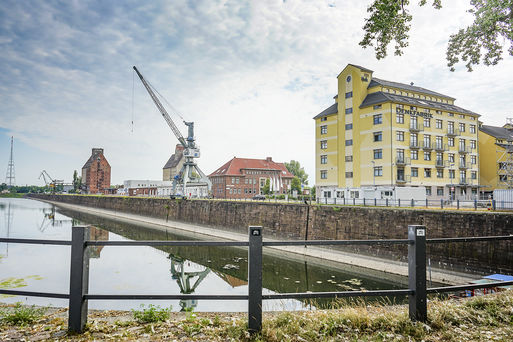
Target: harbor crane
49	181
190	174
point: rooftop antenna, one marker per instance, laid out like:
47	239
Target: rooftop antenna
10	178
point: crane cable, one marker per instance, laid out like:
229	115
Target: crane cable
133	86
173	109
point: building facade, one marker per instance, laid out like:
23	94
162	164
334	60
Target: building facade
380	133
245	178
496	162
96	173
174	164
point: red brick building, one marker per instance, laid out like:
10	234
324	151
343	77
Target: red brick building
96	173
245	178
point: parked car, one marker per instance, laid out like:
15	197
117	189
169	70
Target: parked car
259	197
178	197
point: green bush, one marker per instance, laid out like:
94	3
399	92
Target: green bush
152	314
22	315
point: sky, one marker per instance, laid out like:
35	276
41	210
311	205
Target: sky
250	74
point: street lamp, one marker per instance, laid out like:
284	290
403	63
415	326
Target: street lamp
450	189
373	173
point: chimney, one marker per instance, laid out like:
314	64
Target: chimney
97	150
269	159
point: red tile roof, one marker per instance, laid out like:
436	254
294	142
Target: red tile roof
234	167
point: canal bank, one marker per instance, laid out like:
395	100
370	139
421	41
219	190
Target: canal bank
373	265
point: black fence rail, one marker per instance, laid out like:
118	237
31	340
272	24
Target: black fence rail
417	290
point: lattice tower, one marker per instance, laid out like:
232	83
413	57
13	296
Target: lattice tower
10	178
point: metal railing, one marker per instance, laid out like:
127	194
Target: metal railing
417	290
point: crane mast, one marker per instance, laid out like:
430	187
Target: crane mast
186	174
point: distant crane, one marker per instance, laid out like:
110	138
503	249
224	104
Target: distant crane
49	181
191	151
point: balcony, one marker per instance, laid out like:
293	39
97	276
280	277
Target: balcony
452	132
439	147
463	149
402	161
440	163
464	166
414	145
426	145
463	181
403	179
416	127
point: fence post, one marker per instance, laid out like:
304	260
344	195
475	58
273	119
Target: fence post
354	200
387	202
441	203
427	203
364	201
255	279
399	202
344	201
417	273
79	280
475	204
458	204
493	204
412	203
375	202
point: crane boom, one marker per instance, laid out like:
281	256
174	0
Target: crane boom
162	110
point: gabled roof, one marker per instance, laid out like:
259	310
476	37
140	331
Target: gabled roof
356	66
97	152
497	132
381	97
333	109
377	82
235	165
175	158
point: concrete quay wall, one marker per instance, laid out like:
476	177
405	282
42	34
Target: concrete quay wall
288	221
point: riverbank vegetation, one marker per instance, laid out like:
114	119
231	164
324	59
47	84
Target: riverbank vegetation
485	318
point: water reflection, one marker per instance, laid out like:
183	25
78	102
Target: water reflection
161	270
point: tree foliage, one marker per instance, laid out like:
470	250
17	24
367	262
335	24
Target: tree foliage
295	184
295	168
484	40
77	182
267	187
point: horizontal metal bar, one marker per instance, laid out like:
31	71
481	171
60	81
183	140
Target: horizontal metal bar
338	294
36	241
334	242
168	243
468	287
34	294
470	239
164	297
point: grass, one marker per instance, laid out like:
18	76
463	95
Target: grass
12	195
21	315
152	314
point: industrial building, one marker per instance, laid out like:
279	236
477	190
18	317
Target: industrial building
387	134
96	173
174	164
245	178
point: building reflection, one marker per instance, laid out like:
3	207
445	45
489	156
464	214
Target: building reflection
97	234
187	281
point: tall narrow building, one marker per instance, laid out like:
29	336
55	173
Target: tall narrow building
387	134
96	173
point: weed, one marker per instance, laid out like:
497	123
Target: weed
22	315
152	314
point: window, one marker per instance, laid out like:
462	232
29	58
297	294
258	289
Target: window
400	155
451	114
439	124
427	122
427	140
349	94
472	128
324	118
462	144
349	142
427	155
324	174
349	126
451	174
327	194
450	157
440	191
399	118
413	108
462	116
399	106
378	136
450	142
377	106
324	129
413	139
462	127
438	112
440	173
473	144
414	155
378	119
473	175
324	159
427	173
236	181
473	160
428	191
378	154
349	158
378	171
349	110
399	136
233	180
349	175
450	127
324	144
414	171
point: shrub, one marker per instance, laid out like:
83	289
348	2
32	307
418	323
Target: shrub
22	315
152	314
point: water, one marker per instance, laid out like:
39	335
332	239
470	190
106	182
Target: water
161	270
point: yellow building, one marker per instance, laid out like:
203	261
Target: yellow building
386	134
496	162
